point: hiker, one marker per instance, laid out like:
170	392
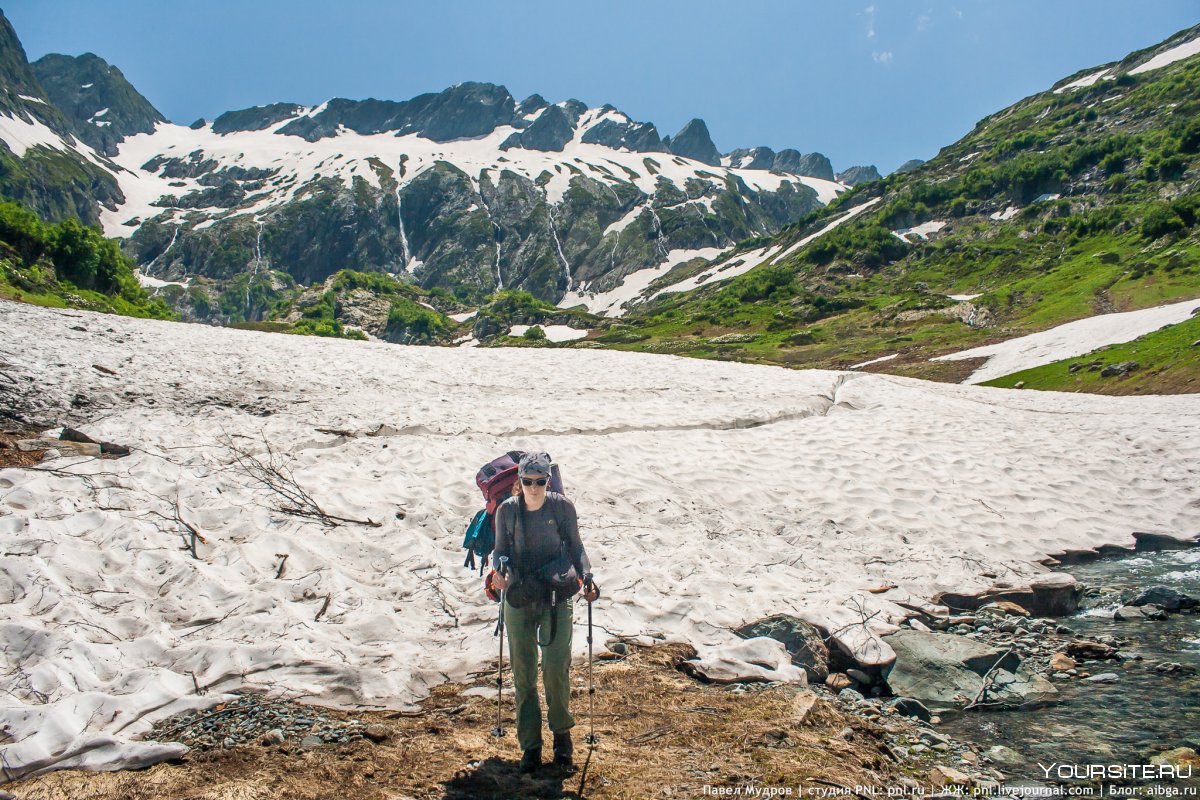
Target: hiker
537	532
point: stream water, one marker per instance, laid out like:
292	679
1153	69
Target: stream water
1127	722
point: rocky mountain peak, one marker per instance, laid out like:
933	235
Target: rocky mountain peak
909	166
102	106
256	118
856	175
550	132
693	141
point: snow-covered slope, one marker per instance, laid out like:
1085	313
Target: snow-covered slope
709	494
1070	339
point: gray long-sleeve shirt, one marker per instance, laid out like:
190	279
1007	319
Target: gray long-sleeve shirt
544	529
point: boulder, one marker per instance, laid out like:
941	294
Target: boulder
803	642
1086	648
1004	608
759	659
1135	613
944	671
1055	594
1118	370
1166	598
1061	663
911	708
863	645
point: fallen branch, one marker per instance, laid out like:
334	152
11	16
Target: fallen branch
273	476
981	697
324	606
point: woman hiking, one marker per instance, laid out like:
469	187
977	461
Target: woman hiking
537	531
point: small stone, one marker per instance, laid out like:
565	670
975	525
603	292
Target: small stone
620	648
377	733
229	742
1004	755
931	738
272	737
851	695
1104	677
948	776
970	757
919	748
311	741
935	720
860	676
837	681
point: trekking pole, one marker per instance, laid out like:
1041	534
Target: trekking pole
592	739
498	731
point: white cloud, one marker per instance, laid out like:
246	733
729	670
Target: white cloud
882	58
869	13
924	21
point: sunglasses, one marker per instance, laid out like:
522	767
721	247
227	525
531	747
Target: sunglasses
534	482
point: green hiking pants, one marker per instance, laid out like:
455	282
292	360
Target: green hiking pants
528	629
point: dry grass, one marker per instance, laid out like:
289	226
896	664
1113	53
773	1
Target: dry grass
10	456
661	734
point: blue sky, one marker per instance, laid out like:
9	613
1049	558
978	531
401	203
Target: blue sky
863	82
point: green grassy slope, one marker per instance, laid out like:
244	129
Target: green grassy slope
1057	208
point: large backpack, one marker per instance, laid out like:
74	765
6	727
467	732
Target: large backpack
495	480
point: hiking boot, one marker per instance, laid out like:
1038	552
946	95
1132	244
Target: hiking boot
531	760
563	748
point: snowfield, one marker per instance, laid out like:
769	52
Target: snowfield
709	494
1069	340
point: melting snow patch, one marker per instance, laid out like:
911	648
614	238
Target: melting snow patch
1006	214
32	99
554	333
1177	53
1042	198
962	297
921	231
1086	80
463	317
1070	340
20	135
154	283
874	361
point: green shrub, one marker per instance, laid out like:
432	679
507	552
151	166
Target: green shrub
1161	220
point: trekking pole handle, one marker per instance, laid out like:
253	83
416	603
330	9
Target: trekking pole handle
502	567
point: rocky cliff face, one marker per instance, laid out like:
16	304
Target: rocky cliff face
101	105
42	164
857	175
559	198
